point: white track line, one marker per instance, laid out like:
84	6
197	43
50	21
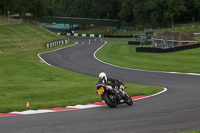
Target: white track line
165	89
94	54
52	51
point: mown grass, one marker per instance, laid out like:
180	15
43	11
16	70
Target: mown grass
198	131
126	56
24	78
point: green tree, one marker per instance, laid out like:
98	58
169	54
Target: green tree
21	7
174	9
126	11
38	7
141	13
6	6
197	9
61	7
106	9
80	8
156	12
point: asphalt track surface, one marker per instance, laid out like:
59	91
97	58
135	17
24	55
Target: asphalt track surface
174	111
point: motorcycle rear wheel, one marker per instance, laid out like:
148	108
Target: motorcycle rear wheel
110	101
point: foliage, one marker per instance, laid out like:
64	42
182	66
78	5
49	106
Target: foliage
145	13
126	12
174	9
35	7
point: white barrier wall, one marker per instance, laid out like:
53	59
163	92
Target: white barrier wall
83	35
53	44
92	35
75	34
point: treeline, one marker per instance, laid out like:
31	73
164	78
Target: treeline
35	7
141	12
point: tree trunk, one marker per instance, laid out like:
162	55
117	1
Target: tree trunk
108	15
172	23
4	12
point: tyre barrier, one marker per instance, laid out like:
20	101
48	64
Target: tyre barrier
56	43
166	50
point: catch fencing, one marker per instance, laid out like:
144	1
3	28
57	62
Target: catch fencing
10	21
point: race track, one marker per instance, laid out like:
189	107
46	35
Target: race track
174	111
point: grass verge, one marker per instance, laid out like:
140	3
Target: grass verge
24	78
198	131
126	56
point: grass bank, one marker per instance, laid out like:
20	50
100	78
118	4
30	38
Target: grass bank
24	78
126	56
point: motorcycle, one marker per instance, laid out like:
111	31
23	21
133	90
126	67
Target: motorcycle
114	96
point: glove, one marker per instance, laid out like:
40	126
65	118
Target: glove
119	81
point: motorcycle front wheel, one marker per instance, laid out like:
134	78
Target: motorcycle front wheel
128	100
109	100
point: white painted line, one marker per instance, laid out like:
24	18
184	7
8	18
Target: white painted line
50	52
94	54
165	89
27	112
84	106
43	60
194	74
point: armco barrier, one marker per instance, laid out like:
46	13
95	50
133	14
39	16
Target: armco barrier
56	43
138	42
81	35
134	42
118	36
166	50
100	36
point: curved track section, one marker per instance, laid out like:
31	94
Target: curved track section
174	111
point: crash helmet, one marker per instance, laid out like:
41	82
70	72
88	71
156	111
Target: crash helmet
102	78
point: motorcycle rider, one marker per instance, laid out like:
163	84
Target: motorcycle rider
103	79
